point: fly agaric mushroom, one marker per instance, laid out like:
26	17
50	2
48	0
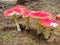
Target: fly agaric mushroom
26	14
49	23
58	17
40	15
14	12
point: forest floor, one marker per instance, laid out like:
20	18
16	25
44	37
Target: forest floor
10	36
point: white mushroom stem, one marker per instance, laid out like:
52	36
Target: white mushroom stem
16	22
39	27
27	22
47	33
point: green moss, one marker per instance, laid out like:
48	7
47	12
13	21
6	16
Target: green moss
6	36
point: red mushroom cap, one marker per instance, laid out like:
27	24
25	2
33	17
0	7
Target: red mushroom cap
26	13
19	7
18	10
11	11
49	23
58	16
40	14
8	12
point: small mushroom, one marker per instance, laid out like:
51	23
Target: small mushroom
26	14
49	23
40	15
14	12
58	17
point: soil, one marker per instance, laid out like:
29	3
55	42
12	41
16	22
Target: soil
10	36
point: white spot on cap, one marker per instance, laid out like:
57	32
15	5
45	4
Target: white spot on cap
33	11
54	25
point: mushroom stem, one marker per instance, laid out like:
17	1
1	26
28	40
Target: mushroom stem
39	27
47	33
27	22
16	22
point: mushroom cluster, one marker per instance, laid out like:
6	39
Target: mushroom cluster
44	18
